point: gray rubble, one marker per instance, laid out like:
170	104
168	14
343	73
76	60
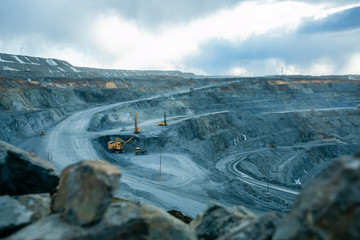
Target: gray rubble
39	204
19	211
121	221
260	228
13	215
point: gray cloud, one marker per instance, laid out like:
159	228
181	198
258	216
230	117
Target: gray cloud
155	13
69	23
346	20
57	17
297	48
67	18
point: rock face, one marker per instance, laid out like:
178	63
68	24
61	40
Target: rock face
328	207
123	220
16	212
217	218
85	191
23	173
261	228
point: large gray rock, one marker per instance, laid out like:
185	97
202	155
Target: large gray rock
16	212
217	219
85	191
260	228
23	173
123	220
328	207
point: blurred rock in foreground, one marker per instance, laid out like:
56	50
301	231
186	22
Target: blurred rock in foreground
24	173
19	211
85	191
329	206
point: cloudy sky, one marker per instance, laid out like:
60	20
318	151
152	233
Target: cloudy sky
212	37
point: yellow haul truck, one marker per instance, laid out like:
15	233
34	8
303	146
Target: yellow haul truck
140	151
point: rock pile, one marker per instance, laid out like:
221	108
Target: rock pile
81	208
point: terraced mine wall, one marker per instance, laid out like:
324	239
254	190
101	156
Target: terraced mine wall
38	92
291	127
30	103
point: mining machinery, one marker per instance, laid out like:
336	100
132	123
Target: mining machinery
136	128
118	145
164	123
140	151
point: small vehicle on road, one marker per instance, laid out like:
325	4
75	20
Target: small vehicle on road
139	151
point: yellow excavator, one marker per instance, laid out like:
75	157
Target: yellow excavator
164	123
118	145
136	128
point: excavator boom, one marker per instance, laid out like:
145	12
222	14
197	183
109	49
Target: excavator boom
136	128
128	141
118	144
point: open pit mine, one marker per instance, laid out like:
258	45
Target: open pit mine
180	140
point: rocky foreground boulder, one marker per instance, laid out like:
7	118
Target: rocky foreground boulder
328	207
85	191
24	173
